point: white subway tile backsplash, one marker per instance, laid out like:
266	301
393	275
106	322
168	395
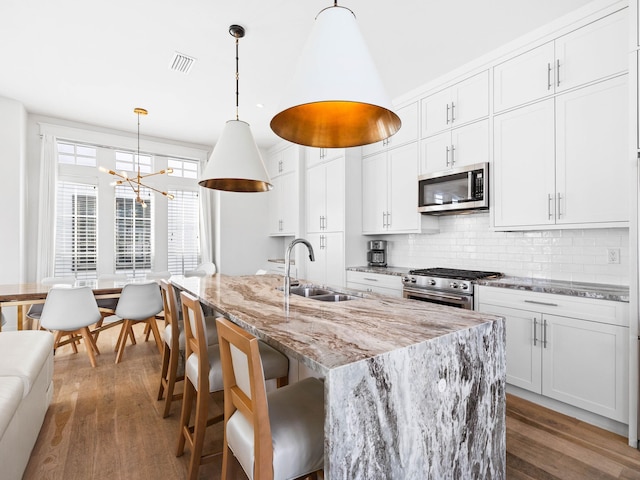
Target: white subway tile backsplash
465	241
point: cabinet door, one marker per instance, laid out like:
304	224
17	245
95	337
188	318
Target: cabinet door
334	259
592	159
436	112
436	152
316	198
470	144
594	51
288	203
315	271
403	189
523	168
409	130
374	193
334	195
584	365
470	99
275	214
524	78
289	157
524	361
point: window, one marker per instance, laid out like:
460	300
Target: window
183	227
72	154
133	232
183	168
76	252
128	161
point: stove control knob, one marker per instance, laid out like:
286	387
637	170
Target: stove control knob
453	285
413	279
464	286
405	279
432	282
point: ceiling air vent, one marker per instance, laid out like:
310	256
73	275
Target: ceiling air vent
181	63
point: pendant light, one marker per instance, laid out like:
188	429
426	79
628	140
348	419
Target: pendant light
336	98
136	183
235	164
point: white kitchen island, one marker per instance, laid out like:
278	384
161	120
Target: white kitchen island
412	389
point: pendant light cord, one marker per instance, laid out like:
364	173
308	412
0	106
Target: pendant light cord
237	82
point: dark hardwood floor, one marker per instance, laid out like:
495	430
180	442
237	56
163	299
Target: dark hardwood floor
105	423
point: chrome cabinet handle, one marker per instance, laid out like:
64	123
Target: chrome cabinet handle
447	114
544	334
453	153
548	76
453	106
447	156
388	219
549	211
548	304
558	72
535	331
384	219
370	279
558	205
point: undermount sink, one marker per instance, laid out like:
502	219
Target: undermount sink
319	293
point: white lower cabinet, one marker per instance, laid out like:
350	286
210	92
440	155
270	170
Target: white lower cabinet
328	267
375	282
567	348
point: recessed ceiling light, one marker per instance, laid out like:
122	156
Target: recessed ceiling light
259	105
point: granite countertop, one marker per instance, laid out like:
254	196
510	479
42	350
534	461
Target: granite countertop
327	335
398	271
617	293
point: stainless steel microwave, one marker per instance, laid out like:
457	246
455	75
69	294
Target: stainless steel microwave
456	190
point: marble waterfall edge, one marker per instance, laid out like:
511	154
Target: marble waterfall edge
433	410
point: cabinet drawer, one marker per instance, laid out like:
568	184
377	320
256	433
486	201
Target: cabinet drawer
595	310
375	280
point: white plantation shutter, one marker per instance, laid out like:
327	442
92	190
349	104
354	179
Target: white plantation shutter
76	251
133	232
183	230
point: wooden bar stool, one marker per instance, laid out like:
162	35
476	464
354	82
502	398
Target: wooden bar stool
279	435
173	346
203	376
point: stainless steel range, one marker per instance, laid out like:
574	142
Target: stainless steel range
445	286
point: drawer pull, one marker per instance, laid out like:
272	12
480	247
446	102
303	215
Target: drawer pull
548	304
371	279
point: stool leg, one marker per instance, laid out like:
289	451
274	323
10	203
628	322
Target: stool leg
171	381
199	429
166	354
185	415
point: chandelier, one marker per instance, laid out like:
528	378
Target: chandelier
136	182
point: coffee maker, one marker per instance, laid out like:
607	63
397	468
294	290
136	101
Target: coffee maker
377	254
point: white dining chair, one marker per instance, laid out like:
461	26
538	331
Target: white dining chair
202	270
70	311
138	302
277	435
35	310
203	376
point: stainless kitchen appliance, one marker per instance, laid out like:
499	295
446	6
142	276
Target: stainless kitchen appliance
445	286
377	254
456	190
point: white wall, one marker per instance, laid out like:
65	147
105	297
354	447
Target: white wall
465	241
13	120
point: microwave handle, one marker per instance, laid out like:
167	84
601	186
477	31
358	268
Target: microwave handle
470	185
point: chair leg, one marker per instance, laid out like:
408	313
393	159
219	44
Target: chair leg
199	429
153	326
56	340
126	327
88	345
73	343
185	416
166	355
171	382
147	331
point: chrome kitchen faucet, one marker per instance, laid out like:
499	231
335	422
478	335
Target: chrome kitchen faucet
287	263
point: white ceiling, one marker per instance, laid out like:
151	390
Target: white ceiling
93	62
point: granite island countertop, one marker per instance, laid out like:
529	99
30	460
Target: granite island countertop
327	335
397	271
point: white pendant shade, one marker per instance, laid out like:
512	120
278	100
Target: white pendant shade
235	164
336	98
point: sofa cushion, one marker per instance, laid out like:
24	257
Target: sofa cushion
23	355
11	389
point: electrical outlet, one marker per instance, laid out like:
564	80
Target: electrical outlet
613	255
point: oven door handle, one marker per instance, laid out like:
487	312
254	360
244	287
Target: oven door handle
432	294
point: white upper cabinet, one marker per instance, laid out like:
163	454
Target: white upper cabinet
595	51
456	105
319	155
563	161
284	211
326	196
408	131
456	148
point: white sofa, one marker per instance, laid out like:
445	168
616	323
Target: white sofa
26	390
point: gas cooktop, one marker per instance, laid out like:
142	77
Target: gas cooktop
454	273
